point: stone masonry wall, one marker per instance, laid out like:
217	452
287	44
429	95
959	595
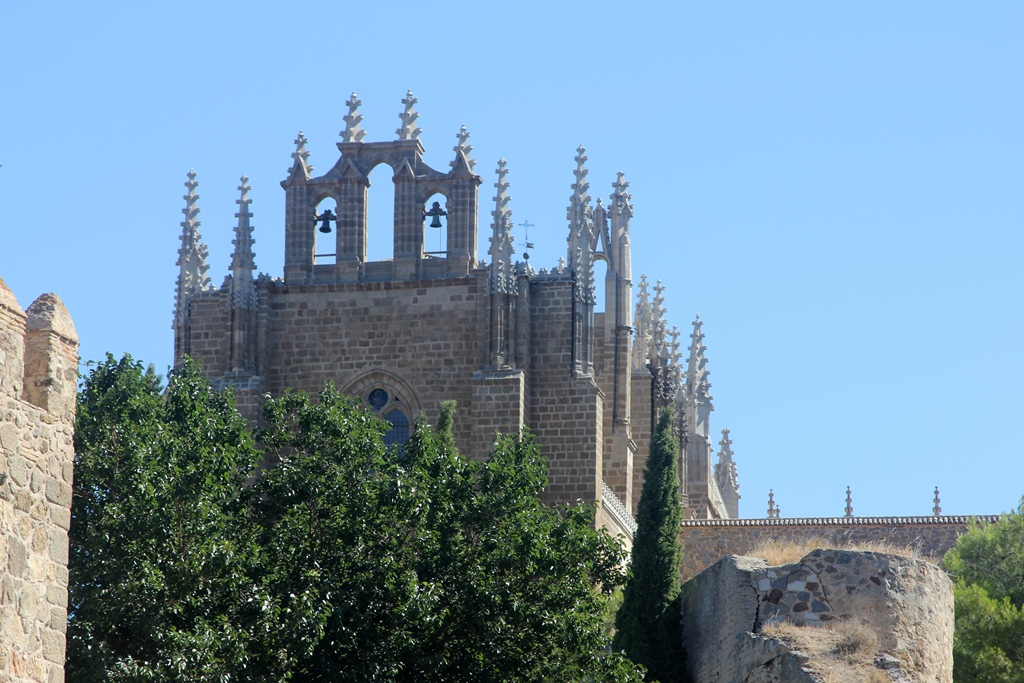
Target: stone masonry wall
707	541
566	413
906	603
38	382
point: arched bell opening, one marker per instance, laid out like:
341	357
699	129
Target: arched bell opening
380	214
435	226
325	223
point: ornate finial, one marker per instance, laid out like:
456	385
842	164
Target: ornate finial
659	326
409	131
561	265
243	291
773	510
936	509
643	326
502	277
849	503
301	154
192	266
725	468
621	199
697	384
464	147
580	187
353	130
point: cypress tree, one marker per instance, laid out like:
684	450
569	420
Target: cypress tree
648	623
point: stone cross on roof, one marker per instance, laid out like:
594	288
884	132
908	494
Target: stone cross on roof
353	131
409	131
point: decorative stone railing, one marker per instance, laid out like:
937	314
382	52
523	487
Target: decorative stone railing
611	503
705	541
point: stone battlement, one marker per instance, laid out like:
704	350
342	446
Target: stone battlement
38	385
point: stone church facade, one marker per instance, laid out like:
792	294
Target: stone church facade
515	347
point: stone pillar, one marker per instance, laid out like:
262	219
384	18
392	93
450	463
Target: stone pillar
351	240
298	233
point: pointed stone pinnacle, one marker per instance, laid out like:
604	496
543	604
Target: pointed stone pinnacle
409	131
192	254
463	146
353	130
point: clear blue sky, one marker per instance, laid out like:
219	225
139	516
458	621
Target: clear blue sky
836	188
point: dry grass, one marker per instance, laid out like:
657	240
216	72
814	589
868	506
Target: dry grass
841	652
777	553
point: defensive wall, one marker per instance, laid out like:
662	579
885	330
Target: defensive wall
705	542
38	383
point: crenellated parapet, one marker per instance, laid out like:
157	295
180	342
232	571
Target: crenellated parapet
38	385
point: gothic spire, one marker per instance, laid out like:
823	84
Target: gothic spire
725	468
192	254
579	206
697	384
621	199
243	290
463	149
300	158
849	503
409	131
674	357
773	509
936	508
643	325
502	279
581	232
659	326
353	131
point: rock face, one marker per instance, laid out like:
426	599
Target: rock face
906	604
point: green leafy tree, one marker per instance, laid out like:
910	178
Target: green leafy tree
345	561
987	565
421	565
648	623
157	556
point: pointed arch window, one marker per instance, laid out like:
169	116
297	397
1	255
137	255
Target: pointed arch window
399	433
388	405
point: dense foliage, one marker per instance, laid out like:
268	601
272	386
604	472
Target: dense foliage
346	561
988	567
648	623
155	567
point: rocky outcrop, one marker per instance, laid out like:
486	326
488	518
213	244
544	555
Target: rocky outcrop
905	606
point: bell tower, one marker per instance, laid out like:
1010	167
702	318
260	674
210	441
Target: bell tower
346	183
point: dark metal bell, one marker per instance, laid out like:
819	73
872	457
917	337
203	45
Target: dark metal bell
436	223
327	216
